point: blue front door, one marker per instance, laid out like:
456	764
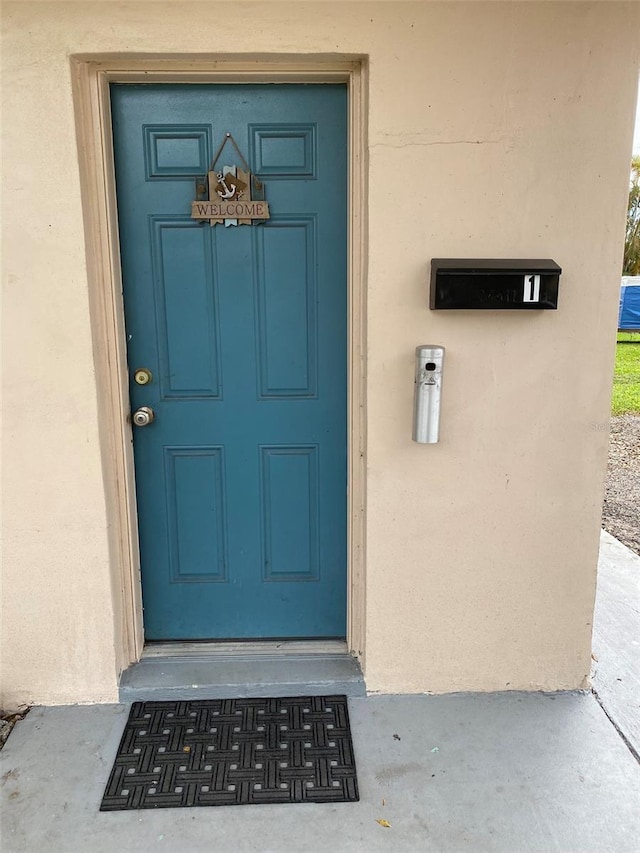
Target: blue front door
241	477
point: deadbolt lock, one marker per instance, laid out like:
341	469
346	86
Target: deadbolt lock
143	376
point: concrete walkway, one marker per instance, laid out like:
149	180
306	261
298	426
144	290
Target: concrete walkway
507	772
616	638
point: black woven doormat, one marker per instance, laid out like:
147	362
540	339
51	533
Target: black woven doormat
229	752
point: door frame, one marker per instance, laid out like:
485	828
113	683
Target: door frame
91	75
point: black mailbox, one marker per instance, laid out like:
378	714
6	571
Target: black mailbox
494	284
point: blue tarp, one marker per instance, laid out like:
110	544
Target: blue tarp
629	313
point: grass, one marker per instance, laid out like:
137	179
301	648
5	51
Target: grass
626	377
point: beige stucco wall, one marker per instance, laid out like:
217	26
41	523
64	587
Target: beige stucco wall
511	123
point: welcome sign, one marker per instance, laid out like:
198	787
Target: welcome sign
230	195
230	209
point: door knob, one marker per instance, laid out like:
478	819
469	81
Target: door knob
143	416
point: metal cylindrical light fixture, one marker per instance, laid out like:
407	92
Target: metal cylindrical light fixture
428	389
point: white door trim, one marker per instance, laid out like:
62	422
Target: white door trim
91	76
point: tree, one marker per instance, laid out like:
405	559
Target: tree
631	263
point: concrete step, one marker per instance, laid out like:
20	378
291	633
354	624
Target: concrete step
230	676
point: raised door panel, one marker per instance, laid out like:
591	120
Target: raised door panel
286	290
186	309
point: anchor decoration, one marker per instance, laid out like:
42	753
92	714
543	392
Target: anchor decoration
230	195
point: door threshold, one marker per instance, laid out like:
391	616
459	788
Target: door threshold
243	647
242	670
